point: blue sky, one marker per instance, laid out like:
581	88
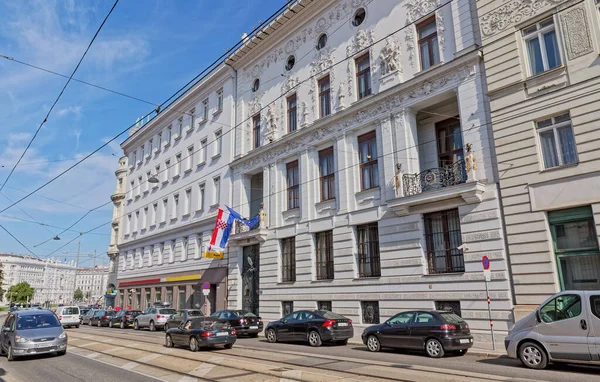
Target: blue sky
147	49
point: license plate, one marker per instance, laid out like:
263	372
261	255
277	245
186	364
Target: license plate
254	327
342	324
465	341
43	345
222	334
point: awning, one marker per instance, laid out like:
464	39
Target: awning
213	276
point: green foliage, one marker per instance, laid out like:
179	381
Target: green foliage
20	293
78	295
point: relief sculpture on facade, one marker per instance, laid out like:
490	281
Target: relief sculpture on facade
511	13
578	39
390	57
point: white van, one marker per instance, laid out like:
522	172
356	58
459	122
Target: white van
564	328
68	316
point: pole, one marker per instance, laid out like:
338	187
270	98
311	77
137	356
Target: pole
76	266
487	293
94	259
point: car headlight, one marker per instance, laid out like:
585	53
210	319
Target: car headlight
20	339
62	335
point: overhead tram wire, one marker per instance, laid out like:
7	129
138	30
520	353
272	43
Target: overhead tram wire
18	241
26	213
59	96
157	110
47	225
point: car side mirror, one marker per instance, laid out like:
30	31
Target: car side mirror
284	321
388	323
538	316
6	329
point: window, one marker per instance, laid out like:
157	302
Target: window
129	227
576	248
169	134
147	184
368	250
159	141
175	211
188	202
442	239
184	255
144	219
217	188
561	308
143	150
135	157
322	41
167	169
220	100
205	110
255	85
428	43
179	127
256	130
363	76
324	246
595	300
154	212
327	172
138	189
324	97
401	318
177	166
449	142
290	63
200	197
293	185
150	147
370	312
324	305
136	221
367	152
202	151
218	142
557	141
190	159
163	214
287	308
198	247
288	259
541	45
359	17
131	189
291	113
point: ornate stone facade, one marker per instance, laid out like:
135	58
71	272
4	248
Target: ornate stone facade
578	39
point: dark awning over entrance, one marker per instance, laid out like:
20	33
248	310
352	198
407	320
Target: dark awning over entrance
213	276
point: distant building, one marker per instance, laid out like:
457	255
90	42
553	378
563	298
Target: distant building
52	280
93	283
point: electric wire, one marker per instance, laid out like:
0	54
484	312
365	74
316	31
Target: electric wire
18	241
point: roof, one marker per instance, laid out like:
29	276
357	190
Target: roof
31	312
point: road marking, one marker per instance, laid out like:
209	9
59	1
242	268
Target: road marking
202	370
93	355
130	365
188	379
131	371
148	358
88	344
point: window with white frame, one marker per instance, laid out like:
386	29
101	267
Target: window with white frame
143	150
159	141
218	142
166	171
144	224
177	166
200	206
189	161
150	146
187	206
147	184
557	142
192	119
220	100
202	151
154	212
541	46
184	248
205	110
163	213
157	173
161	253
217	188
138	189
175	210
598	5
131	188
134	157
169	134
128	225
136	220
198	246
179	127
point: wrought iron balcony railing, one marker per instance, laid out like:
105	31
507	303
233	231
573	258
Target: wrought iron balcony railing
240	227
435	178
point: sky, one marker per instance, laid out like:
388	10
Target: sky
147	49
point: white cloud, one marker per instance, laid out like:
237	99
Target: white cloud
74	110
15	138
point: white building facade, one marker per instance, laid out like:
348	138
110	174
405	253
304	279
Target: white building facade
165	225
52	280
367	150
93	282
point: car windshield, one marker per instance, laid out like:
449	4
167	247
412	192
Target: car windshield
167	311
194	313
67	311
330	315
243	313
452	318
34	321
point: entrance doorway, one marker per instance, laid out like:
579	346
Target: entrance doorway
250	279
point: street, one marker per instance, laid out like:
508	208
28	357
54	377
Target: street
114	354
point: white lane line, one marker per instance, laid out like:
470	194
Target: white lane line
92	355
88	344
130	365
155	378
187	379
202	370
148	358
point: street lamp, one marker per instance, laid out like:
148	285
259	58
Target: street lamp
153	179
56	238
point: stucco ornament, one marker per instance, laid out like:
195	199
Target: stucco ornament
578	39
304	114
390	56
511	13
416	9
319	67
341	97
409	39
291	83
270	133
441	30
362	40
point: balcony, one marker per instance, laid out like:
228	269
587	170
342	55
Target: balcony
434	178
249	234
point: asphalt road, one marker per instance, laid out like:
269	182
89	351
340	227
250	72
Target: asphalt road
68	368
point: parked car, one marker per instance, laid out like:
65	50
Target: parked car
182	315
102	317
86	318
315	327
436	332
82	313
29	332
68	316
244	323
124	318
153	318
200	333
562	329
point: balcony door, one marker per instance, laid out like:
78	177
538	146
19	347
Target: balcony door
449	142
256	193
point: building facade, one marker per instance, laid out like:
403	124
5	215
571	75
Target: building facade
541	62
367	150
52	280
177	177
93	282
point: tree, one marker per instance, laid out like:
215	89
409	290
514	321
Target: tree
78	295
20	293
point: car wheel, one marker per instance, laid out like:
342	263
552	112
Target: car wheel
60	353
9	354
314	338
228	346
168	341
166	327
193	344
271	336
152	327
373	343
122	325
76	326
136	325
533	356
434	348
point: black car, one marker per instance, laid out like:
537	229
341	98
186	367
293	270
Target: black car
200	333
102	317
182	315
245	323
315	326
432	331
124	318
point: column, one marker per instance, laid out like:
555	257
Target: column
152	295
387	157
163	293
175	303
143	304
305	178
344	186
465	34
407	141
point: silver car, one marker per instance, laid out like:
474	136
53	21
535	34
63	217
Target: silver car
564	328
30	332
153	318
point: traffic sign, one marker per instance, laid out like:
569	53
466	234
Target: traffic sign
206	292
485	261
206	285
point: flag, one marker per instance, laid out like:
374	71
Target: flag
250	223
222	230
